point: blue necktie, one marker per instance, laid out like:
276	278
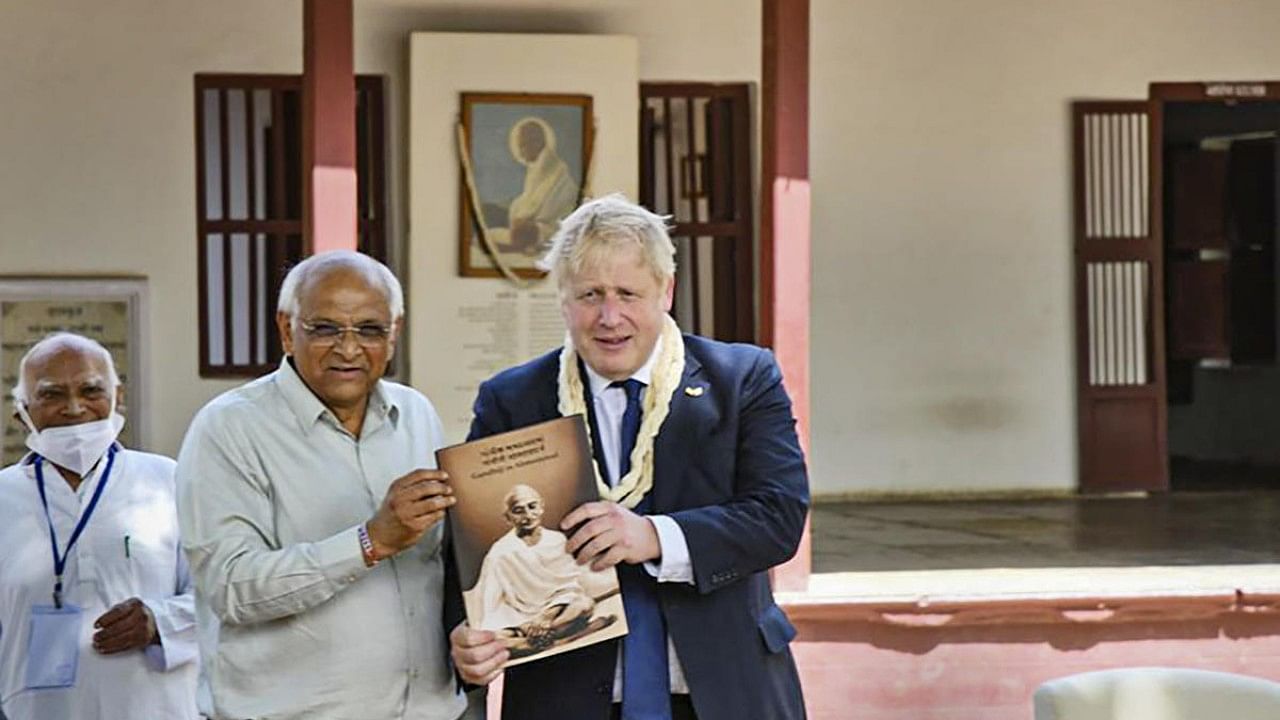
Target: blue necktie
630	423
646	685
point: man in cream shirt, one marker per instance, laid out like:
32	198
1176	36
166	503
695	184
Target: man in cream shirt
118	641
311	510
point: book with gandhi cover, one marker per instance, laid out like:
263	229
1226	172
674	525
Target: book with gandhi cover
518	579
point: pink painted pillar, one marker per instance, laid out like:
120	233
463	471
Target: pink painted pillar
328	127
784	221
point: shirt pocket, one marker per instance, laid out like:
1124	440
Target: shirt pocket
134	557
152	562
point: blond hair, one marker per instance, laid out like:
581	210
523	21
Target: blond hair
603	226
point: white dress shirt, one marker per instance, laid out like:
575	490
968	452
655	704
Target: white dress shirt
271	491
103	569
674	565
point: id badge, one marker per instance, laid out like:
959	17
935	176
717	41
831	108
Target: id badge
54	650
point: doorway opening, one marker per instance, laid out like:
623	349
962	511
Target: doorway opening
1220	237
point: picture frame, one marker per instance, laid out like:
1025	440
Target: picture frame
528	156
111	310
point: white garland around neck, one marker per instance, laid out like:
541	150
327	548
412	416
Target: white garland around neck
667	371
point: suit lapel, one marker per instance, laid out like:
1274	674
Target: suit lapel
681	431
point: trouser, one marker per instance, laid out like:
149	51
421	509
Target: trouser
681	709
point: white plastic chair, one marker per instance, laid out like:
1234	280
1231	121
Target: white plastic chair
1154	693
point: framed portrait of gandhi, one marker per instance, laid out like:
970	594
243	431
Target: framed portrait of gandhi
524	160
109	310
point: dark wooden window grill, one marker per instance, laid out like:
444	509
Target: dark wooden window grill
695	165
249	207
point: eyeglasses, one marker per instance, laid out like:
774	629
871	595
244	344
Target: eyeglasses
326	333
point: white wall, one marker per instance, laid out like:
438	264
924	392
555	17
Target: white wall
97	153
97	159
942	336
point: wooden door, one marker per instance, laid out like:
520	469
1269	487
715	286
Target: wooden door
1119	292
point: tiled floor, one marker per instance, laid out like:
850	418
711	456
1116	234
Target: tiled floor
1164	529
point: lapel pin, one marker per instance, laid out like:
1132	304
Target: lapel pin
692	391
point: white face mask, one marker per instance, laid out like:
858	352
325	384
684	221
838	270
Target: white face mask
75	447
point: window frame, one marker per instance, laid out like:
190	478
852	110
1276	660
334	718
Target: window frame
282	227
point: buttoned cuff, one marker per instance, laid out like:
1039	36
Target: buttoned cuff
176	646
340	557
675	564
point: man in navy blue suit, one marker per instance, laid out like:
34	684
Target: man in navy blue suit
703	489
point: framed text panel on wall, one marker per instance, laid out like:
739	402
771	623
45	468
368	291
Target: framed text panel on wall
107	309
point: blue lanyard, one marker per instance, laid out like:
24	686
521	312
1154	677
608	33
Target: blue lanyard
60	562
